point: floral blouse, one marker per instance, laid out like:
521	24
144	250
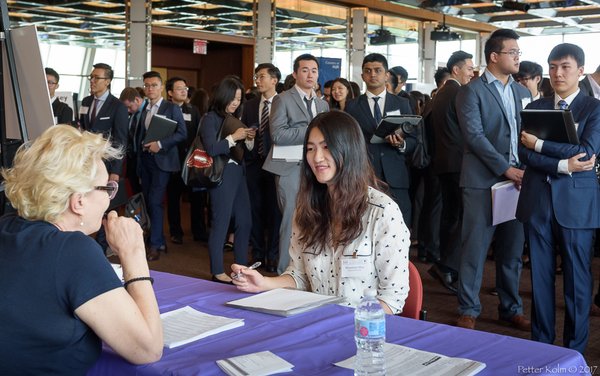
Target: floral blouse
382	246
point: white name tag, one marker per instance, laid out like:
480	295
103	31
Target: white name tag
56	120
355	267
525	102
187	117
105	118
393	113
83	110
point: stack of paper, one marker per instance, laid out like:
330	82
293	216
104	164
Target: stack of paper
400	360
185	325
259	364
284	302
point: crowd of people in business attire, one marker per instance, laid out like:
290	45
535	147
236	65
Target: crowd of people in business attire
349	196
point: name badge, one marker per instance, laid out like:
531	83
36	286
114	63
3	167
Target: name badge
525	102
393	113
187	117
56	120
83	110
105	118
355	267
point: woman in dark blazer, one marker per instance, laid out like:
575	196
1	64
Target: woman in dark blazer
230	199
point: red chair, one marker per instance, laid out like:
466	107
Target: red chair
414	301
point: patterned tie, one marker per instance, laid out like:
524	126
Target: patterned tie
309	107
264	124
93	113
377	110
562	105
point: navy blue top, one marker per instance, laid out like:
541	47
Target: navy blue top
45	274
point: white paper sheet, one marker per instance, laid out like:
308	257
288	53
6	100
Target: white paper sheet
185	325
289	153
504	202
258	364
401	360
284	302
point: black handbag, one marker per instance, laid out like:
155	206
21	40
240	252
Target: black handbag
199	169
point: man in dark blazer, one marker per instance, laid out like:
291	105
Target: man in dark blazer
446	164
590	85
488	114
291	111
136	105
63	114
559	204
389	157
266	217
104	113
157	159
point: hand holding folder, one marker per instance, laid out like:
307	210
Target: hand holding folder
160	128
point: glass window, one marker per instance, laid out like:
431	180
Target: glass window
66	59
536	48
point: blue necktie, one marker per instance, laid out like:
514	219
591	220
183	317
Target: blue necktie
377	110
562	105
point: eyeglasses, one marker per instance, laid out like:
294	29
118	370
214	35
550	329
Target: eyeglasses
151	86
185	88
511	53
51	83
96	78
524	78
110	188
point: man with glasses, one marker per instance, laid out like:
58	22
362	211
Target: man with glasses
488	111
157	160
530	76
266	217
63	114
177	92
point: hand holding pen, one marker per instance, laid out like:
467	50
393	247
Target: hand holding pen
239	274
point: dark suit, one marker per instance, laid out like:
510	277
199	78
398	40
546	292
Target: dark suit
228	201
562	209
388	162
176	186
155	169
446	163
586	86
485	127
62	112
266	217
111	121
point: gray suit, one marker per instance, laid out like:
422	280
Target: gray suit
486	132
288	121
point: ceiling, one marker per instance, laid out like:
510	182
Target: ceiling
299	24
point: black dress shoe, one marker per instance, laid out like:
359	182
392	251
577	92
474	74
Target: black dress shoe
445	278
154	253
177	239
215	279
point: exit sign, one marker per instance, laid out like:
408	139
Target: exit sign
200	46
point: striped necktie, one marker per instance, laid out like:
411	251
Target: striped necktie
264	124
376	110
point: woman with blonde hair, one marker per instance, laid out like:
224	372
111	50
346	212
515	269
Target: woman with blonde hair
61	297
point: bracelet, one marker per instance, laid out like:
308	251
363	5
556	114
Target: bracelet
138	279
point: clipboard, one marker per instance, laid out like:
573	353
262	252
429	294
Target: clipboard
550	125
397	123
160	128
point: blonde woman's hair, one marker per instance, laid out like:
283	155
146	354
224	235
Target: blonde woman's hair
47	171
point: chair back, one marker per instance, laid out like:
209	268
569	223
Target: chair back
414	301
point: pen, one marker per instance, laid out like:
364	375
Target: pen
254	266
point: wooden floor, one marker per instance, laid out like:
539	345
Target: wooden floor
191	259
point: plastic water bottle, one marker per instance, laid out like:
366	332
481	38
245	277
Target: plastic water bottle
369	333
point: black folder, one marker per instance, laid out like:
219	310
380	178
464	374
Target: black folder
392	123
160	127
550	125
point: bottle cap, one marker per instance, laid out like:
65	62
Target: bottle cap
370	293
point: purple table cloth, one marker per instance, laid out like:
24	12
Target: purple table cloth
314	340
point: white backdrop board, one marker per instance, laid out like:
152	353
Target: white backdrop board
32	82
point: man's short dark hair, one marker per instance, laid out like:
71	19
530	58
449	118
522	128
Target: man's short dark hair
171	82
328	84
53	73
458	58
530	69
304	57
108	71
271	69
565	50
152	74
129	94
400	72
393	81
496	41
375	58
440	75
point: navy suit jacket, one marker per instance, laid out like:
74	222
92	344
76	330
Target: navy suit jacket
386	159
448	140
586	87
575	197
112	121
62	112
167	159
486	132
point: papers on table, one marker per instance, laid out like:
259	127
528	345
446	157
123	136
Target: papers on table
258	364
284	302
185	325
401	360
289	153
118	271
504	202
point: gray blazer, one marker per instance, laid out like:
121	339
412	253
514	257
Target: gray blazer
484	124
288	121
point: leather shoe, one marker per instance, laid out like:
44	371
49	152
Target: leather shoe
154	253
222	278
177	239
445	278
466	321
520	322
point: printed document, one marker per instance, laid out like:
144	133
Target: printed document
258	364
185	325
289	153
401	360
504	202
284	302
